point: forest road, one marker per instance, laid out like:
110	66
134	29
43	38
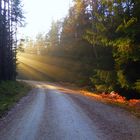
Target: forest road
53	112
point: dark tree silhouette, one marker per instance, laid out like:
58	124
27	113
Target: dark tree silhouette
10	17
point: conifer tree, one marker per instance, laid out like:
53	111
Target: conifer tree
10	17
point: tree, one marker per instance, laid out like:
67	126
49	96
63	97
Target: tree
10	16
54	34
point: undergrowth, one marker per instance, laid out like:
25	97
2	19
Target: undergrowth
10	93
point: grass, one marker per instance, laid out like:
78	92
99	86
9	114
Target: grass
10	93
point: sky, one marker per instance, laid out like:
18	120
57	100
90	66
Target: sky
40	13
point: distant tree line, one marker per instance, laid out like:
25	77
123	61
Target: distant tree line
105	34
11	16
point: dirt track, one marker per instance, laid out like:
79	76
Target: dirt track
51	112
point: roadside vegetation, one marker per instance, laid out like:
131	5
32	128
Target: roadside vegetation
114	99
10	93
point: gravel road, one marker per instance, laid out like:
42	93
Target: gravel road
53	112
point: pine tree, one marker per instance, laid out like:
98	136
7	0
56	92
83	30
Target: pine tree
10	16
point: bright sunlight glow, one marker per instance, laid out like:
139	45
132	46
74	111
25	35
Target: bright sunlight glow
40	13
